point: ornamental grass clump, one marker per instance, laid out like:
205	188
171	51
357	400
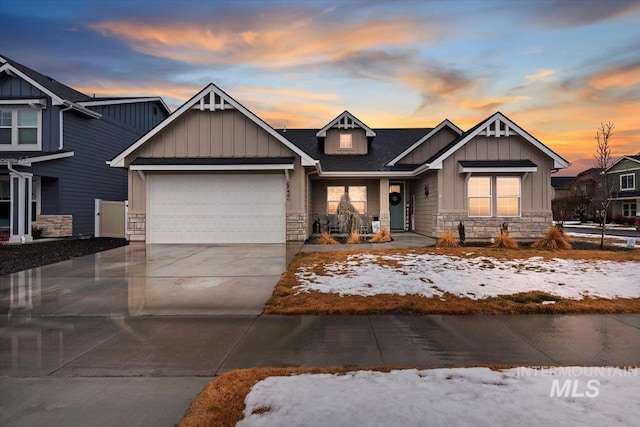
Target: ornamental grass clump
326	239
555	239
447	240
354	238
381	236
503	240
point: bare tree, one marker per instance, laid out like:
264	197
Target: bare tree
601	197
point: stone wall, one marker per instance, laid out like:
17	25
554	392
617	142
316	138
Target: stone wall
530	226
136	227
385	220
297	227
55	225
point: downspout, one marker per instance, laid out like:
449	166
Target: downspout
60	142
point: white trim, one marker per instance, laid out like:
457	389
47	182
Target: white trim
558	162
28	161
211	89
126	101
626	198
490	197
96	218
323	132
15	146
519	215
374	174
33	102
498	169
621	159
445	122
634	182
210	167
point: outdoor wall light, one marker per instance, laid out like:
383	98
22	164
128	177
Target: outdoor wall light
426	191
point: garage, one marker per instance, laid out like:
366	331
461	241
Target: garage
216	208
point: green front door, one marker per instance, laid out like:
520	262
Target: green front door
396	206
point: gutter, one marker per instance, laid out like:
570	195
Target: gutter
61	141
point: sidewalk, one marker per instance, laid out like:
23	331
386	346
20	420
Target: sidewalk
145	371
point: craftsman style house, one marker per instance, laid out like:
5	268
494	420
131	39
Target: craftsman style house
625	177
54	144
214	172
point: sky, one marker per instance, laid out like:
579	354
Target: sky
557	68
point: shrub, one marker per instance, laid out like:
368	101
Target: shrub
503	240
381	236
354	238
555	239
447	240
326	239
461	232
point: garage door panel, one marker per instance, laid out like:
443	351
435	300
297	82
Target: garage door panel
216	208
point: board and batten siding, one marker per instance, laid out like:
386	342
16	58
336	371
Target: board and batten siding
429	147
225	133
140	116
425	207
358	139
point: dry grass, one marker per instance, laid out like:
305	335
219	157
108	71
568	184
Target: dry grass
381	236
326	239
505	241
555	239
447	240
221	402
286	300
354	238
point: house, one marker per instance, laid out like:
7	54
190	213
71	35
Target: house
54	144
625	178
575	200
214	172
560	202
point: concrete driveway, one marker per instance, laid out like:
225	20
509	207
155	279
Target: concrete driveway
140	280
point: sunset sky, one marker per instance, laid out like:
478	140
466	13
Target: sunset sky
557	68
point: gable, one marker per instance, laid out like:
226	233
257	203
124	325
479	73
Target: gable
359	142
220	134
625	164
346	120
429	147
16	87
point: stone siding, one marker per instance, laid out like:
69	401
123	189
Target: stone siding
55	225
297	227
530	226
137	227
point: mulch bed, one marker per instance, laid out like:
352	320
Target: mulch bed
15	258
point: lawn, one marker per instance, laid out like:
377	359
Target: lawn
478	396
461	281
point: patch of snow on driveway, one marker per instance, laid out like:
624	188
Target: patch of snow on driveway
431	275
447	397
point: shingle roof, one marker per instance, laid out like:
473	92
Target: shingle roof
387	144
61	90
561	181
497	163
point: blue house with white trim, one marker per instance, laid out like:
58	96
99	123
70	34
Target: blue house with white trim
54	144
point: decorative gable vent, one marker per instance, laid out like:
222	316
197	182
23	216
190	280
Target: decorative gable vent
346	120
212	101
497	128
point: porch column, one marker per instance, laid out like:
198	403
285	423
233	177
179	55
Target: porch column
384	204
20	207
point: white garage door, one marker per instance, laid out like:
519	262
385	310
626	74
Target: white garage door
194	208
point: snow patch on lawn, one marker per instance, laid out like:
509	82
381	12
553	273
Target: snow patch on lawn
460	396
432	275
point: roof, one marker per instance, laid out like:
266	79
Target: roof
635	158
61	90
388	144
496	163
559	182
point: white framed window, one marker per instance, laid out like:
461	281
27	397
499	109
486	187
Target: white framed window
357	197
627	182
5	202
479	194
20	128
629	209
346	141
508	196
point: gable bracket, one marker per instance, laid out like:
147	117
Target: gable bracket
497	128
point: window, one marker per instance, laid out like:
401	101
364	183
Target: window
479	192
5	201
508	196
346	141
629	209
357	197
20	128
628	182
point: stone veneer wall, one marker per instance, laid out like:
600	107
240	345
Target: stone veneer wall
529	226
297	227
55	225
385	220
137	227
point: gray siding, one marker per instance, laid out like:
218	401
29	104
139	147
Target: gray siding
358	139
430	147
140	116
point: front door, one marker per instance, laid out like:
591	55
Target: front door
396	205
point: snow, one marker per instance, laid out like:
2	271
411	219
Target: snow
447	397
432	275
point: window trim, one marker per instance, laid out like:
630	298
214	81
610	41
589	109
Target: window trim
15	146
493	196
633	176
350	147
509	197
490	197
629	209
345	189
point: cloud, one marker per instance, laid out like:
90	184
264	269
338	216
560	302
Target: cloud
540	75
566	14
623	76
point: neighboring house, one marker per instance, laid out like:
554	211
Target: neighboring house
54	144
561	201
214	172
575	199
625	177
